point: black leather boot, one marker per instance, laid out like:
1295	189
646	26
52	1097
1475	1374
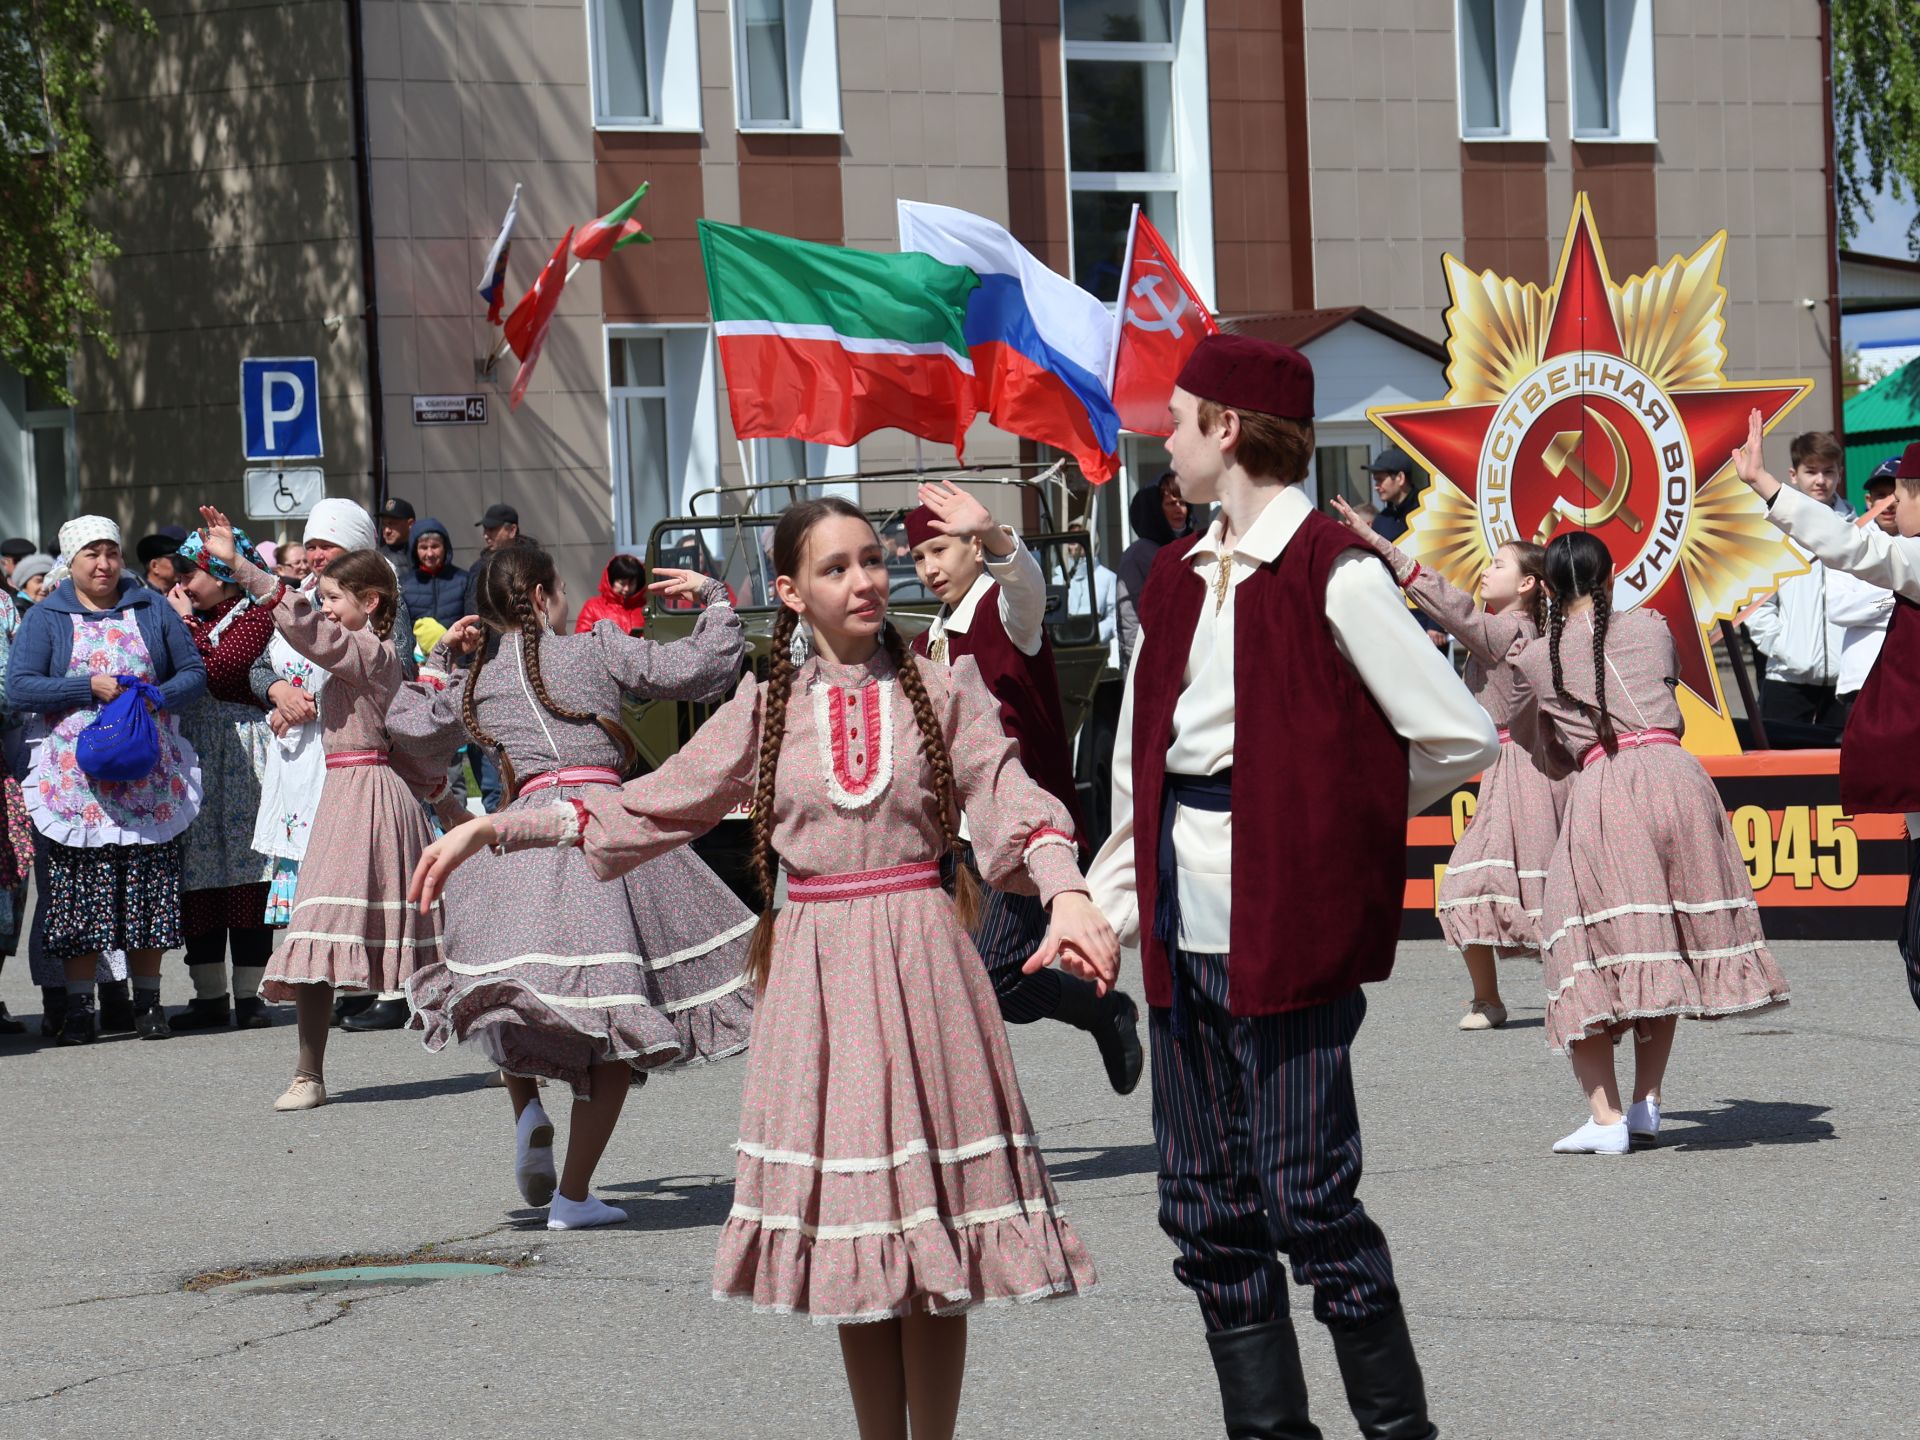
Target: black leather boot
347	1006
1263	1393
1384	1389
381	1015
53	1007
205	1014
116	1008
1114	1022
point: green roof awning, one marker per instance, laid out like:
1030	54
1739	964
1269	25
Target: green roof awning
1881	421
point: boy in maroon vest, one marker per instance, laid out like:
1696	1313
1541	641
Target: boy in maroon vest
1264	884
1877	770
994	603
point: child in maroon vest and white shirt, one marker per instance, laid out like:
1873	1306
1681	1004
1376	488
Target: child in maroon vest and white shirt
995	605
1264	885
1877	771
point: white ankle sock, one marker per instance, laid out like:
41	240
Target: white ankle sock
582	1214
533	1169
209	980
1594	1138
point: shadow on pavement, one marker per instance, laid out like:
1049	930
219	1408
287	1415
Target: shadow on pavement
672	1202
1068	1163
412	1089
1743	1123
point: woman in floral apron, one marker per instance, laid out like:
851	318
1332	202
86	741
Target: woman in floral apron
226	872
112	848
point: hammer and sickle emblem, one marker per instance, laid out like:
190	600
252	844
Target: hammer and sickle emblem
1562	458
1147	288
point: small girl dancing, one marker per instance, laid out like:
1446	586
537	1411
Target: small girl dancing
1649	914
1490	900
888	1177
350	927
593	981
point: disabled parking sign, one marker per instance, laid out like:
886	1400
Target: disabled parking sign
280	408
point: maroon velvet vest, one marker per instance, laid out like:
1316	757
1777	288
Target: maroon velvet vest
1877	770
1028	690
1319	781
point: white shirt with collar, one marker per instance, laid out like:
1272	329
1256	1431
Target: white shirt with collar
1449	737
1023	601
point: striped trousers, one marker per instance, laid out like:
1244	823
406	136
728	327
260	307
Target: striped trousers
1259	1142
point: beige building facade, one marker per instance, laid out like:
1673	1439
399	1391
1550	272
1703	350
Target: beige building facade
1305	157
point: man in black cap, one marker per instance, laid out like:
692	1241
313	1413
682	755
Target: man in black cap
156	557
1396	487
501	526
396	531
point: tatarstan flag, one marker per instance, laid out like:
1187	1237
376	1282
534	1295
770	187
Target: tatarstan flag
827	344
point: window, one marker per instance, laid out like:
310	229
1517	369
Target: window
1340	470
786	65
779	460
1503	75
646	64
1137	134
663	425
1610	62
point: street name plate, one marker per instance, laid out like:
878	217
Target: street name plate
449	409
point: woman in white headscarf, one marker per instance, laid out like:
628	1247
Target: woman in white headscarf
112	848
288	685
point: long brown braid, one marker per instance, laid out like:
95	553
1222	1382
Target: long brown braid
773	730
933	744
503	597
1578	563
789	551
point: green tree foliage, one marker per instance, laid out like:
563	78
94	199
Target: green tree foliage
1876	107
51	168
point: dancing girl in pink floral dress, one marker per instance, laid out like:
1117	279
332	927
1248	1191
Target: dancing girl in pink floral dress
888	1178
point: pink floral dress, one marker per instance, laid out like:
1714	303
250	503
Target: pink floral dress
68	805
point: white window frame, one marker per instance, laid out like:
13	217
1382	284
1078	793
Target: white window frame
813	69
673	68
691	393
1191	183
1521	54
1630	75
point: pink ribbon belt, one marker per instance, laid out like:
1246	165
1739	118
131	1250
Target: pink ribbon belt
860	884
348	759
1632	740
572	775
1506	735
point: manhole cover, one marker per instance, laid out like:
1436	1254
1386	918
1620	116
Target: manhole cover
350	1276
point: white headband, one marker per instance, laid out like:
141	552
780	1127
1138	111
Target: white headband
85	530
341	522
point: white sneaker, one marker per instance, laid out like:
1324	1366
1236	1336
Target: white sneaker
533	1168
583	1214
1594	1138
1643	1122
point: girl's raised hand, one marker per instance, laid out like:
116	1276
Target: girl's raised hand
1350	517
463	637
1080	940
677	582
218	531
446	855
955	512
1750	464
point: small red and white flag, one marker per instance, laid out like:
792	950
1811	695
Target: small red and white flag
613	231
526	327
493	274
1159	321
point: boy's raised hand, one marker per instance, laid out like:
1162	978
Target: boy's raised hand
1750	463
955	512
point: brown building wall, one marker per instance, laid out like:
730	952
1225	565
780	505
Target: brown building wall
1257	114
1030	42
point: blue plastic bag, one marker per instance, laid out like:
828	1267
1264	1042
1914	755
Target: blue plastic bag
123	741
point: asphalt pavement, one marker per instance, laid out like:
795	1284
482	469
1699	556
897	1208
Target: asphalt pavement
1756	1276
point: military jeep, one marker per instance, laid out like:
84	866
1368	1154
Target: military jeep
736	549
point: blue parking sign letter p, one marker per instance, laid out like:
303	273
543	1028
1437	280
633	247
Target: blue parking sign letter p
280	408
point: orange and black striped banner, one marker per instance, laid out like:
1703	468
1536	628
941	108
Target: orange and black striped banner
1818	872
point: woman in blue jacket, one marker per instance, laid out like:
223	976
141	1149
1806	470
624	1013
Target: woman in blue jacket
112	848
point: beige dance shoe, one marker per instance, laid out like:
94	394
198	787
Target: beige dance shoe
307	1092
1484	1015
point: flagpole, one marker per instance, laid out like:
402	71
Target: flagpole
1120	301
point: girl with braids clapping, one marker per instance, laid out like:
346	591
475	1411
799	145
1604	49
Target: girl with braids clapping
888	1178
1490	900
592	982
1649	913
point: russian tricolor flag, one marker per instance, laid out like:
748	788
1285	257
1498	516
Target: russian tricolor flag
1039	343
